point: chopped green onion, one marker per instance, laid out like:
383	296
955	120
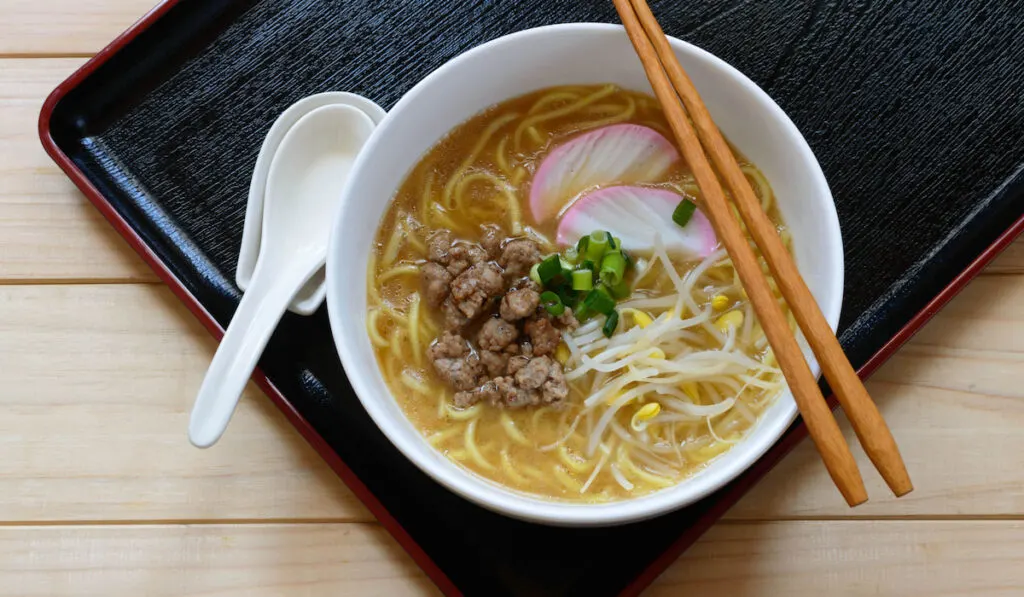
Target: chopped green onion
613	268
567	294
571	255
587	264
582	279
549	269
683	213
535	273
581	245
613	243
621	290
552	303
597	245
610	324
599	301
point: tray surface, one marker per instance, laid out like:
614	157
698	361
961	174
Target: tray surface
914	110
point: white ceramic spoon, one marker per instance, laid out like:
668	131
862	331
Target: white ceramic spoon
303	186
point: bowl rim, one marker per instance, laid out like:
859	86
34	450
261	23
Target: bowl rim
493	495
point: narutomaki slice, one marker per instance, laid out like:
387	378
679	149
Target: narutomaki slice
635	215
616	154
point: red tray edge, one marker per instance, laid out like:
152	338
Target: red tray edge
727	499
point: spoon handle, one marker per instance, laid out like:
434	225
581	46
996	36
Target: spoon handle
262	306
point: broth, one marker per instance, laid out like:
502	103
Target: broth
480	175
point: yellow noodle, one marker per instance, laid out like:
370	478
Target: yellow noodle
622	116
393	245
471	447
550	99
443	219
760	184
572	463
396	345
534	473
499	156
464	414
558	113
414	329
445	434
512	431
510	469
626	466
492	128
371	285
512	202
371	328
391	312
535	135
414	384
398	270
518	176
537	414
426	199
566	479
414	240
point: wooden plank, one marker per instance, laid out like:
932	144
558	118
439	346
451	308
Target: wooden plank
954	400
1011	261
223	560
789	558
64	27
925	558
111	371
97	384
48	230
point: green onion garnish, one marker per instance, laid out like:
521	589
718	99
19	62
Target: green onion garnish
613	267
581	246
582	279
549	269
597	245
567	294
610	324
599	301
613	243
571	255
587	264
534	273
552	303
620	290
683	213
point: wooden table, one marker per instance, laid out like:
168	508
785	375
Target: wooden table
101	494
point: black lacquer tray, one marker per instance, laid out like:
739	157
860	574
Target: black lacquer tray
914	109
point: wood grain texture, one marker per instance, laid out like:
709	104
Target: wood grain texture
1011	261
110	371
48	231
304	560
63	27
811	559
97	383
954	399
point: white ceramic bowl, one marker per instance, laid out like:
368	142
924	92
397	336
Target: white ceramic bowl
578	53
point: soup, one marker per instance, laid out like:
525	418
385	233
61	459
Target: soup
551	309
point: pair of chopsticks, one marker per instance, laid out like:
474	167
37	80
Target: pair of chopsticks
671	84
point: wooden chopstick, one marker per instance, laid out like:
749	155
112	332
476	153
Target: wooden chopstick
822	427
870	427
